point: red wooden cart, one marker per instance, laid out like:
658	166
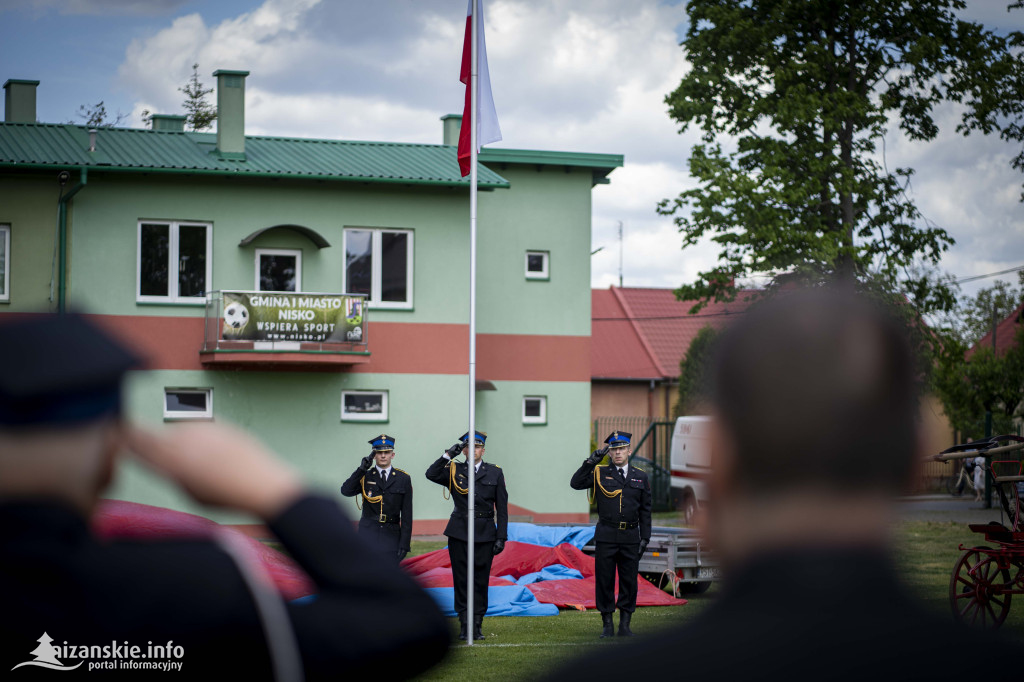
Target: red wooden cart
986	577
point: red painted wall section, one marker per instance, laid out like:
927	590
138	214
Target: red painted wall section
163	342
415	348
395	348
514	357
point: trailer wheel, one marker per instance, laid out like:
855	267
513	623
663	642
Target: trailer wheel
689	508
978	589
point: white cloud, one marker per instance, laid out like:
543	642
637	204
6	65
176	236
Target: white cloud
265	41
337	117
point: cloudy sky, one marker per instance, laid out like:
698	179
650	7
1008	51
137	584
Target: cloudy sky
568	75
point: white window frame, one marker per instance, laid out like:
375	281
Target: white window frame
5	237
545	273
362	416
280	252
172	269
174	415
376	277
543	418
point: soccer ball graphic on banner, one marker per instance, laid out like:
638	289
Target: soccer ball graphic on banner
236	316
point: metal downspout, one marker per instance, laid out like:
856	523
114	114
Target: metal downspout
62	236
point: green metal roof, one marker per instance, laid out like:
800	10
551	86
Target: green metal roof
43	145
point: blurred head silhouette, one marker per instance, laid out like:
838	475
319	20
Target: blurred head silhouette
815	423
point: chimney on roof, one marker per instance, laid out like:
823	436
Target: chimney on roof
173	123
231	113
20	101
451	124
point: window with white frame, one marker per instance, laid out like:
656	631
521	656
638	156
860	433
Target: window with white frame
5	262
174	264
364	406
537	265
535	409
378	264
278	270
188	403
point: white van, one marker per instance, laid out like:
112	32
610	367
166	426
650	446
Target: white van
691	464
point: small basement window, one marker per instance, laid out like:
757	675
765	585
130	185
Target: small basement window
535	409
188	403
364	406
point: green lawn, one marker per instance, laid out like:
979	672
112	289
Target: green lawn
524	648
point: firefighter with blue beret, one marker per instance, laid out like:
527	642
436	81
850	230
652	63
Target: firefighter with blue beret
385	494
490	523
623	496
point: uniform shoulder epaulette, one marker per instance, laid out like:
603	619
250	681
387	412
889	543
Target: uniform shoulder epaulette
402	470
494	465
639	469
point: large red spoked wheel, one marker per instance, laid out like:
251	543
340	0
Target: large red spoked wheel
975	589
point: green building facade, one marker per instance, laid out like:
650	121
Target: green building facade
144	228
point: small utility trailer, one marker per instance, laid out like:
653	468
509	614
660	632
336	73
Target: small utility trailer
676	557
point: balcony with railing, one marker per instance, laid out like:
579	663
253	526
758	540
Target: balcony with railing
297	330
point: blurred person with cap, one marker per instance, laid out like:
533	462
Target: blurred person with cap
623	497
488	539
815	433
386	494
61	429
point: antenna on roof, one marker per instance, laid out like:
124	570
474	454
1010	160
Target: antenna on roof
620	254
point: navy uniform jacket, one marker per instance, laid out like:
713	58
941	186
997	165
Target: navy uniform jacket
396	505
636	503
491	500
57	578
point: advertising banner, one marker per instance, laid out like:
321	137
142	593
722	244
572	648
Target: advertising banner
321	318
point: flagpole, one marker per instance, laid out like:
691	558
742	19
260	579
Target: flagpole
470	458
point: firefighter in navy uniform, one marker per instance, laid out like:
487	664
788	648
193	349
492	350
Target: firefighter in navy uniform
488	539
386	493
623	495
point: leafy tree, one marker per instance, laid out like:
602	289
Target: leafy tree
200	114
794	98
695	373
968	388
1012	108
974	315
95	116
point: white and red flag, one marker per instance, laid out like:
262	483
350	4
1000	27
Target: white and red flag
488	130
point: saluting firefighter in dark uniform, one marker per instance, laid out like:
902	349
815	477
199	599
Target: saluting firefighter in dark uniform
386	498
623	495
488	540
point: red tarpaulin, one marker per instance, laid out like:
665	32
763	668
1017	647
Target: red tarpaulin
519	559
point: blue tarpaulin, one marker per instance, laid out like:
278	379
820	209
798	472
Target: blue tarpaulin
552	572
513	600
550	536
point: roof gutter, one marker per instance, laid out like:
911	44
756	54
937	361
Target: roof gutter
62	236
261	175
